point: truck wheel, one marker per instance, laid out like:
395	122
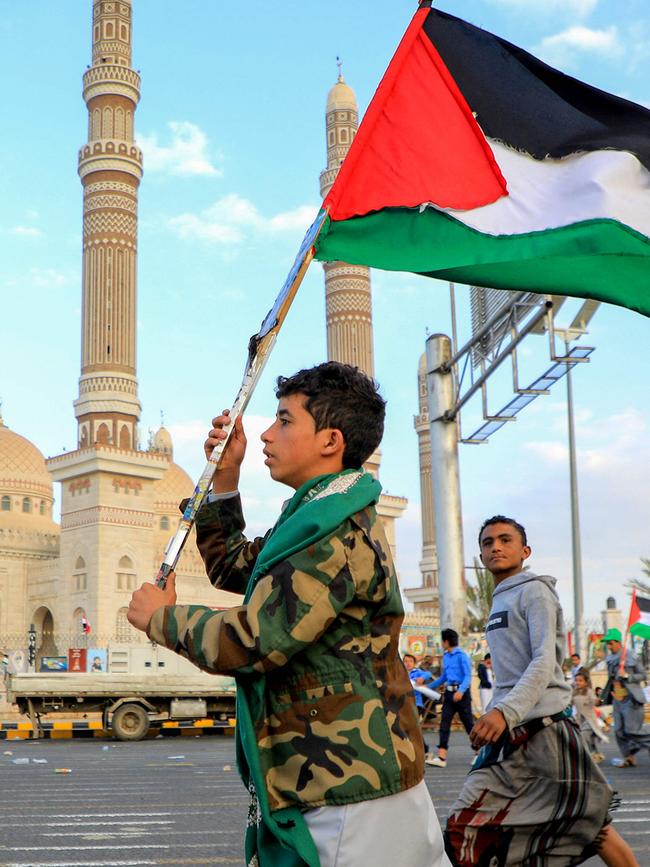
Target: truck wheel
130	722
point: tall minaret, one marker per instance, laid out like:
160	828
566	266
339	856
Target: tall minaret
110	168
348	293
425	597
107	483
348	296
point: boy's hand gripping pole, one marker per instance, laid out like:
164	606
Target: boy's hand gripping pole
259	349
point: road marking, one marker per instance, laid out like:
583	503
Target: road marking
158	863
135	833
625	821
84	863
89	848
120	822
105	815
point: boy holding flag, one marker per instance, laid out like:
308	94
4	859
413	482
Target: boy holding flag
328	739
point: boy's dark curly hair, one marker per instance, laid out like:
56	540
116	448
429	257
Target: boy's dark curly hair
343	397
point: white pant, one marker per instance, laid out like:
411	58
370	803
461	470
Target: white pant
486	698
400	829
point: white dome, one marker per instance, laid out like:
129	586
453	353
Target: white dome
25	484
341	97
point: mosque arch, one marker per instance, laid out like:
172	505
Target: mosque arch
5	503
77	629
103	434
27	505
164	523
45	640
107	123
126	575
119	122
125	437
80	575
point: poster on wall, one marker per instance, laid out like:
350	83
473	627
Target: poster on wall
53	663
96	660
77	659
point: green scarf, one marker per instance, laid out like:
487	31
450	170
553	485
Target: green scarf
282	838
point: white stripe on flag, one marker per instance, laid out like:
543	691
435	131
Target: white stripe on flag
550	193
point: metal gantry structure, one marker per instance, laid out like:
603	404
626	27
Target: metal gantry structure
501	322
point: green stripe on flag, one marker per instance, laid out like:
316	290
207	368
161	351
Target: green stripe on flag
600	258
641	630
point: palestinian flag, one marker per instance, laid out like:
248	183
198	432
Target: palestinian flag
640	616
478	163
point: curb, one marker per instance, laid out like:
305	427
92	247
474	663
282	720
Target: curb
12	731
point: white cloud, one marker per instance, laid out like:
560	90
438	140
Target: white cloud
573	8
187	154
561	48
26	231
46	278
550	452
232	218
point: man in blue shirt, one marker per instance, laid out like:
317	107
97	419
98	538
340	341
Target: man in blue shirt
419	677
457	676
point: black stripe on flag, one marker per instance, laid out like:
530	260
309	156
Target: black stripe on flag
530	106
644	604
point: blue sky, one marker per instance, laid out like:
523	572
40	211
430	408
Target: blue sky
231	122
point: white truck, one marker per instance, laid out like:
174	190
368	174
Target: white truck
143	684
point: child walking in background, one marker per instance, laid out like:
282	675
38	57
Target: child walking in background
584	703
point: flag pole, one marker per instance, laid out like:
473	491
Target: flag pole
621	669
260	346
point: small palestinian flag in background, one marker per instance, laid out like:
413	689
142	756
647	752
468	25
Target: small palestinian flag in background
85	625
478	163
640	616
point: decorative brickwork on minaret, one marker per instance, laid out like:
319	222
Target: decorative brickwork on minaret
110	168
348	293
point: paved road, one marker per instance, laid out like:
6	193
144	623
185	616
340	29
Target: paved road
179	802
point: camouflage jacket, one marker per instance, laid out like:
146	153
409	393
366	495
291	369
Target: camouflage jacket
339	723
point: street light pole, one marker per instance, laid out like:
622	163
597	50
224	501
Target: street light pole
445	480
578	599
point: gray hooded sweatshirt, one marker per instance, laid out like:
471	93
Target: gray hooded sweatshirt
525	633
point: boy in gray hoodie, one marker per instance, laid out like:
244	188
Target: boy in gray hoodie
534	795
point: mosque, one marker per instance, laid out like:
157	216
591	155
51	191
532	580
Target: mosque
119	502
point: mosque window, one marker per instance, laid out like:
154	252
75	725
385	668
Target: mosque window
108	30
41	507
344	137
103	435
80	576
119	122
164	523
107	123
125	437
126	574
124	632
5	504
330	138
27	505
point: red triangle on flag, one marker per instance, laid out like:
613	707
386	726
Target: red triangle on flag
419	141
